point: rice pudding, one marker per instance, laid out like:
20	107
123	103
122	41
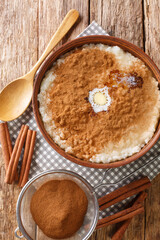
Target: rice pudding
99	103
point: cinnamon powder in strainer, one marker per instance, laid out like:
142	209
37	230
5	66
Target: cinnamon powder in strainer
58	207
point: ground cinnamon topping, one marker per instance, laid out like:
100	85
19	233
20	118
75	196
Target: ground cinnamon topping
58	207
83	70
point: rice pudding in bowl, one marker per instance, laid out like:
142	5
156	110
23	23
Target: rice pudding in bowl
99	103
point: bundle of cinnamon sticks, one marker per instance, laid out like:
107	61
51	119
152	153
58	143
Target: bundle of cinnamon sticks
11	156
127	214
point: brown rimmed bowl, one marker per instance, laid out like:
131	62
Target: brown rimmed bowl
107	40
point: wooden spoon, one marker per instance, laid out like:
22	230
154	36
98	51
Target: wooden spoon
16	96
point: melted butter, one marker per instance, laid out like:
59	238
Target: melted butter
99	98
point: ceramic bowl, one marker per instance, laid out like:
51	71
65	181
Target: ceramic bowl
107	40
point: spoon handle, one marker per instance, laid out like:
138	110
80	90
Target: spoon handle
65	26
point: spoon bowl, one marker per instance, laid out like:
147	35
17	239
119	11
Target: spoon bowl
16	96
13	105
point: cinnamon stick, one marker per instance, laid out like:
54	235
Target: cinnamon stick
12	167
25	172
120	232
6	143
124	192
9	169
121	216
25	156
8	139
10	147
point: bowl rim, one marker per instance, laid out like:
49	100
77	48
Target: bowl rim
57	171
95	39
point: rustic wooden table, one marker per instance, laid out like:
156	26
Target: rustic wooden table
26	27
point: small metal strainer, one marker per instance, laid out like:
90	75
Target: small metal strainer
26	223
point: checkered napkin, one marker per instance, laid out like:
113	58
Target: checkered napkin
46	158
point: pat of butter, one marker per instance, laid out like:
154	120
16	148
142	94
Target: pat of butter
99	98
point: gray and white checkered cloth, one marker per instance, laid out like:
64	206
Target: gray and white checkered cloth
46	158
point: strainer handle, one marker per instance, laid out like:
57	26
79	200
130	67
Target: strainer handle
18	236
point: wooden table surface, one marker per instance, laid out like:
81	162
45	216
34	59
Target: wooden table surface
26	26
